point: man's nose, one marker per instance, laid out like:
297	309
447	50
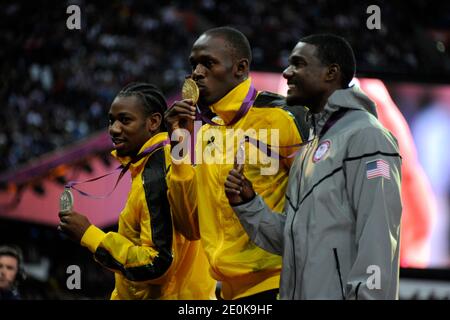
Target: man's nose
287	73
198	72
115	128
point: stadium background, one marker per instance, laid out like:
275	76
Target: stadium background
57	85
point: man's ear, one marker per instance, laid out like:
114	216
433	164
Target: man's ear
333	73
242	68
154	122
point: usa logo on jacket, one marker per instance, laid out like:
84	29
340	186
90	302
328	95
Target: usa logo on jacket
321	150
378	168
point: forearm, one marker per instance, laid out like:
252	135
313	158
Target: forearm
182	194
263	226
119	254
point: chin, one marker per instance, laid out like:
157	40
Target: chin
205	102
122	153
294	101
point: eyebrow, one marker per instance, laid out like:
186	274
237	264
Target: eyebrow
120	114
203	57
296	58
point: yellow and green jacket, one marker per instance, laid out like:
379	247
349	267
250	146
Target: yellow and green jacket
243	268
149	258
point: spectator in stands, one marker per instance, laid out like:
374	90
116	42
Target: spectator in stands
11	272
52	81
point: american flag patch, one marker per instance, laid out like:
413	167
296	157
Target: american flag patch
378	168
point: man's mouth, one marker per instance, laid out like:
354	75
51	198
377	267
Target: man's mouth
201	86
118	143
291	88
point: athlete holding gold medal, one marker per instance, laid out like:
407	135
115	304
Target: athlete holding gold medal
220	60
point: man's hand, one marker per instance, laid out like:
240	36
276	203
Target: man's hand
180	115
238	188
73	224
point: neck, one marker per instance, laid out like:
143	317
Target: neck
318	106
229	104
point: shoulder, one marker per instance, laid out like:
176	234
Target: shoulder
369	134
270	103
266	99
156	167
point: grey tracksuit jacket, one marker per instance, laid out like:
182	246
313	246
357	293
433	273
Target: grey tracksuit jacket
339	233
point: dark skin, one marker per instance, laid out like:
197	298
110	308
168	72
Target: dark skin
238	188
216	71
130	127
310	83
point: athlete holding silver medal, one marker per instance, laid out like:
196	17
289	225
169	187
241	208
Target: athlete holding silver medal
66	201
150	259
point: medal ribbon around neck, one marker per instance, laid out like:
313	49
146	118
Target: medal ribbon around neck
190	91
268	150
243	109
147	151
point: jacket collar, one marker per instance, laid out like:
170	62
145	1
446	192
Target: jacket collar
227	107
159	137
352	98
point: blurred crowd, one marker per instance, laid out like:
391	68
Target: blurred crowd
47	260
57	84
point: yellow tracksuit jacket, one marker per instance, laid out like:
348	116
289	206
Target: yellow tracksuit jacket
150	259
243	268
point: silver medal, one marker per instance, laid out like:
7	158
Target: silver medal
66	201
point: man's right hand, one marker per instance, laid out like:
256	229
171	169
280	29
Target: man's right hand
180	115
238	188
73	224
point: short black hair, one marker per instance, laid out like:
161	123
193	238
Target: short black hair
151	96
12	251
334	49
236	39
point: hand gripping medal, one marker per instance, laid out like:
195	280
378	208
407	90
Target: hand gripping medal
66	201
190	90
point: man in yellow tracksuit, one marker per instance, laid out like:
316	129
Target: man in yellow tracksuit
220	61
149	258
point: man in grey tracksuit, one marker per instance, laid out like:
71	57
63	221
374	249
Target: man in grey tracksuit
340	230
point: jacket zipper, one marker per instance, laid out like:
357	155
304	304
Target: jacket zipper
293	220
338	267
221	241
214	257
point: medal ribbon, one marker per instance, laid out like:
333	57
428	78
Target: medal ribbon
245	106
152	148
267	149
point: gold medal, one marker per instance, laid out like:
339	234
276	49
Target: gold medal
66	201
190	90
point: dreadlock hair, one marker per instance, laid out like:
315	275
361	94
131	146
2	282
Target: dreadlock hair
151	96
